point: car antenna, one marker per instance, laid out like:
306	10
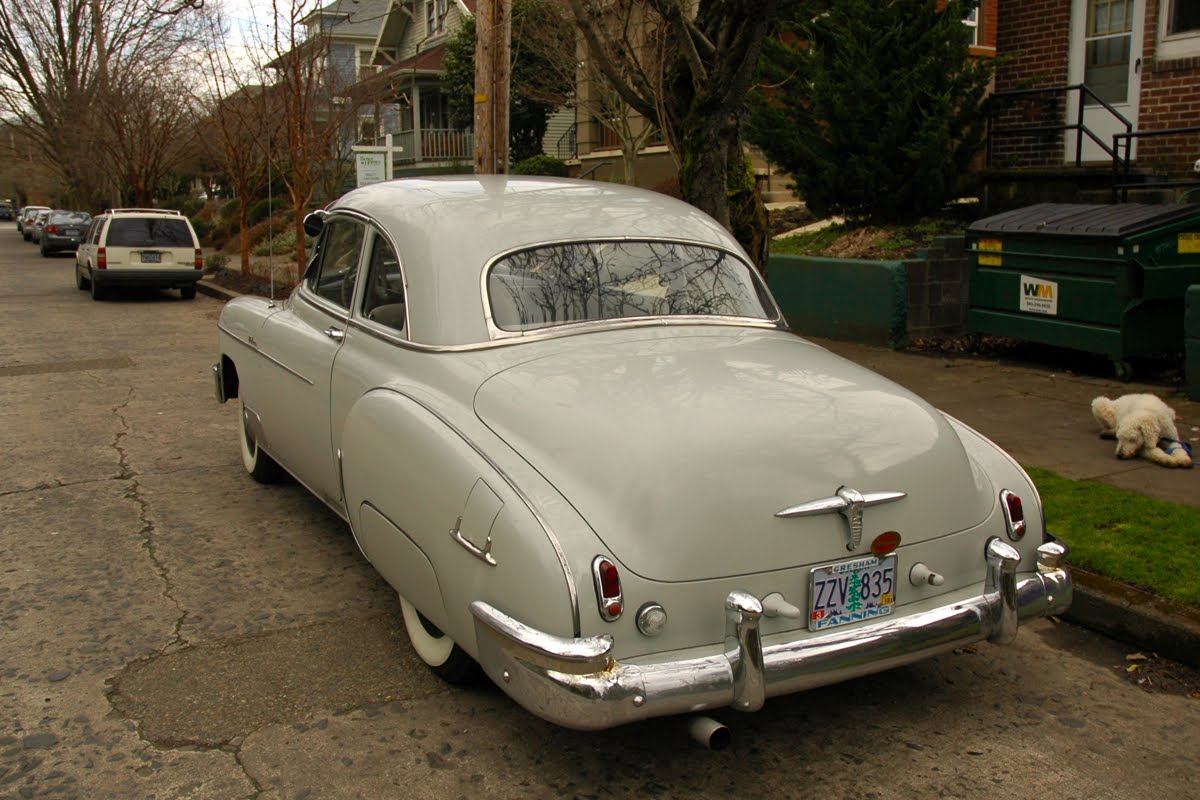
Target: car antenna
270	225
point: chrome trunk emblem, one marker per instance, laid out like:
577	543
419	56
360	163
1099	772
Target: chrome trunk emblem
847	502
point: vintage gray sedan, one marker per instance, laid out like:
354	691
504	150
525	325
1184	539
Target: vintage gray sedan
566	422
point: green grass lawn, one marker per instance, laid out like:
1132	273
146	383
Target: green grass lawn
1124	535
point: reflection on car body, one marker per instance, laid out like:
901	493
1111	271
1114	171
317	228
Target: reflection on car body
566	422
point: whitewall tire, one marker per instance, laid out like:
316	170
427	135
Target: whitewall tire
439	652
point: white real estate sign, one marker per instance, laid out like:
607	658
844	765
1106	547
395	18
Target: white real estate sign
374	163
371	168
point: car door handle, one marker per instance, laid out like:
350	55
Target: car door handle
337	334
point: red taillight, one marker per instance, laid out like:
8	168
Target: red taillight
101	258
199	258
608	588
52	229
1014	515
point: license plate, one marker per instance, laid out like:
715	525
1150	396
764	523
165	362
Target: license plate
70	232
851	591
151	258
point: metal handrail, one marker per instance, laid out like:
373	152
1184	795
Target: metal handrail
573	145
1128	137
1120	152
1081	129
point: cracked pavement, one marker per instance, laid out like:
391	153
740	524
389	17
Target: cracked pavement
171	629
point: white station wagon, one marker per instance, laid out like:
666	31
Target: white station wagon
565	421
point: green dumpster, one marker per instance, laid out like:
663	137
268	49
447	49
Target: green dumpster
1191	342
1106	279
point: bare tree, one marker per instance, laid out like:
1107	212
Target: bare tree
69	67
311	104
687	66
234	107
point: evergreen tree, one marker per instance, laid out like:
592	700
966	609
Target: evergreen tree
528	113
873	108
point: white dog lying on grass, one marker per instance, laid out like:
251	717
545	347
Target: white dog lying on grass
1143	425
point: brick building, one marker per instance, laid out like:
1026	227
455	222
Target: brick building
1140	63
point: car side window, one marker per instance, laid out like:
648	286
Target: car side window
337	266
384	300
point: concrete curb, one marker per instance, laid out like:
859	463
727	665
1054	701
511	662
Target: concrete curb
213	290
1135	617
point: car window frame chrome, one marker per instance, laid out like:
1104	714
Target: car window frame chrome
497	334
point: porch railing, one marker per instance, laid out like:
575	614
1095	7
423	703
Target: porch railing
437	145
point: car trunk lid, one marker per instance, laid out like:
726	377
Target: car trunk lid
680	448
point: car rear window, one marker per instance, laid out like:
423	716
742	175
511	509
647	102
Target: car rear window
149	232
591	281
69	218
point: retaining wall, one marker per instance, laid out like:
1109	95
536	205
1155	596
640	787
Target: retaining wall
875	302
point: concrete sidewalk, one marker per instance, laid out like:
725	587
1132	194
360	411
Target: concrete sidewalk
1043	418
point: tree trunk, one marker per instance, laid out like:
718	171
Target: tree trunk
243	225
704	162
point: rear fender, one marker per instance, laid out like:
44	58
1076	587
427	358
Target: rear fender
441	524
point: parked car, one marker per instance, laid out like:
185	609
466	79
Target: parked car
39	222
26	220
6	211
139	247
63	231
566	421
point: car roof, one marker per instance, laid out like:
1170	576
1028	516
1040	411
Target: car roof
448	228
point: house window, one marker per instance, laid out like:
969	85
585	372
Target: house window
1183	17
435	16
1179	30
365	68
368	131
971	21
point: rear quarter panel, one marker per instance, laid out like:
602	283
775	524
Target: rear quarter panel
408	477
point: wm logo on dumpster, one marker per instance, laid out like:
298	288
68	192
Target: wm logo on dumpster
1038	296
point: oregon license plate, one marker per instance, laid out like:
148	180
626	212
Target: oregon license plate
151	258
851	591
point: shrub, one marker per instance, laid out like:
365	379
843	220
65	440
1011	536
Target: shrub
228	213
202	227
259	210
541	165
191	207
878	112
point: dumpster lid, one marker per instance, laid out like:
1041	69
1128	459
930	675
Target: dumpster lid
1078	219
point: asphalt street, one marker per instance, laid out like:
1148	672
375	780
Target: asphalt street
170	629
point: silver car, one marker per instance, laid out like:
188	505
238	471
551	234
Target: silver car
566	422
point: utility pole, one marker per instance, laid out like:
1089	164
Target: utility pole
492	73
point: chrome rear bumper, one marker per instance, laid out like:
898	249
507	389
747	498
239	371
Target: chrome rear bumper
577	683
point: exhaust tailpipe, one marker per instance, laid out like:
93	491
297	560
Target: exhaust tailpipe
710	733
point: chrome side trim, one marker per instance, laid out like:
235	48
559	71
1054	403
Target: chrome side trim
254	346
577	684
572	591
1016	465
